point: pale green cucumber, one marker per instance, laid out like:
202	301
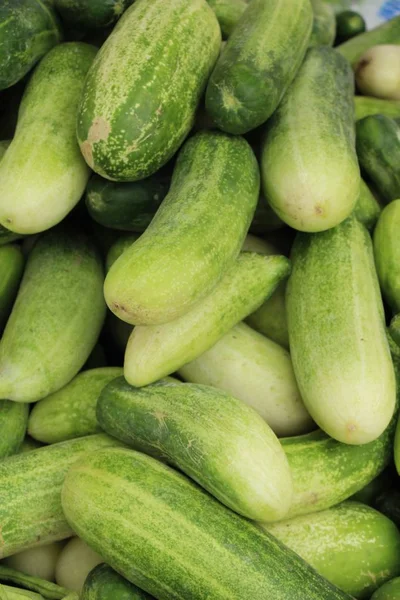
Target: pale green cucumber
387	254
43	174
338	343
11	269
47	589
11	593
228	13
388	591
309	167
13	424
75	563
352	545
56	318
387	33
119	246
158	350
30	485
367	209
257	371
103	583
366	106
324	25
200	226
39	562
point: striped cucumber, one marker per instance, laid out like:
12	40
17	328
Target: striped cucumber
388	591
309	167
13	424
141	94
47	589
366	106
75	563
174	540
324	24
158	350
228	13
387	254
199	227
338	343
91	14
387	33
11	269
103	583
367	209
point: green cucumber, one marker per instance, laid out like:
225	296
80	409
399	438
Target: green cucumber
4	145
38	563
29	444
11	593
75	563
41	182
394	329
157	350
125	206
387	254
324	24
29	29
387	33
366	106
258	63
47	589
103	583
217	440
348	25
174	540
309	167
13	424
388	591
367	209
370	492
258	372
199	226
338	343
91	14
6	235
71	411
228	13
56	318
142	92
11	268
30	485
352	545
119	246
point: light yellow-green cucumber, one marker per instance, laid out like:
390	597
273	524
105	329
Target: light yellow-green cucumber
11	269
46	589
39	561
75	563
119	246
366	106
387	33
13	424
387	254
388	591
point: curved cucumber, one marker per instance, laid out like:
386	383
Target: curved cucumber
71	411
13	423
56	318
47	589
338	342
91	14
387	33
75	563
258	63
176	541
324	24
200	226
387	254
388	591
41	182
309	167
366	106
11	269
158	350
352	545
367	209
103	583
228	13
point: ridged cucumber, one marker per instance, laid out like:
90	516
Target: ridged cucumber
309	167
228	13
258	63
388	591
158	350
11	269
324	24
75	563
103	583
366	106
367	209
199	226
141	94
387	254
387	33
91	14
337	333
175	541
56	318
13	424
41	182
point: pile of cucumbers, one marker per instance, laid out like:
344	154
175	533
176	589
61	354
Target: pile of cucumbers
199	301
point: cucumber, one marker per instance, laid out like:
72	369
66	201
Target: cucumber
47	589
324	24
199	226
217	440
228	13
394	329
387	33
366	106
387	254
378	149
56	318
377	72
71	412
29	443
367	209
4	145
41	182
258	63
338	343
6	235
30	484
388	503
75	563
370	492
174	540
352	545
29	29
348	25
11	593
103	583
39	562
258	372
125	206
388	591
155	351
13	424
11	268
119	246
91	14
140	97
309	168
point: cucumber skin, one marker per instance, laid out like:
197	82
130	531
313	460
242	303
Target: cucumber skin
199	227
389	591
337	333
118	248
103	583
56	318
6	235
40	183
30	500
137	497
156	351
366	106
258	63
91	14
11	268
228	13
367	209
140	99
309	168
352	545
30	28
387	254
47	589
387	33
324	24
13	422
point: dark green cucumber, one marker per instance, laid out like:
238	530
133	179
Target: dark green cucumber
103	583
228	13
349	24
387	33
164	534
366	106
388	591
119	246
91	14
125	206
258	63
388	503
324	24
142	92
29	28
387	254
367	209
11	269
13	423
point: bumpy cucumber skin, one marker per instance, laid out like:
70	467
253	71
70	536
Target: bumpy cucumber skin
228	13
13	423
324	24
352	545
11	269
103	583
199	226
30	485
41	182
71	412
258	63
91	14
387	33
140	97
387	254
366	106
56	318
388	591
367	209
309	167
158	350
175	541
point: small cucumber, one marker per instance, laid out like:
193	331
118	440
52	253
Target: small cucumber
103	583
39	562
13	424
367	209
388	591
258	63
91	14
387	33
75	563
158	350
387	254
324	24
11	269
348	25
378	72
366	106
47	589
228	13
